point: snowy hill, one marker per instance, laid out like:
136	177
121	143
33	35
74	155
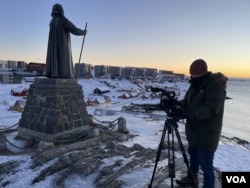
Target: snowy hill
111	159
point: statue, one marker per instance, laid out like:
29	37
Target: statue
59	63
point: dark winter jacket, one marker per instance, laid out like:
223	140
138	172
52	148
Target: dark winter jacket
59	62
204	103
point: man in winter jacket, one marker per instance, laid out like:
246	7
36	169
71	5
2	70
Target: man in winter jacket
59	62
204	103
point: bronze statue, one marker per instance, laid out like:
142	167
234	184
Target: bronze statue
59	62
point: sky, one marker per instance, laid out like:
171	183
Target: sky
162	34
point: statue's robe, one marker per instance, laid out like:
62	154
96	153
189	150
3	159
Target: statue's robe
59	62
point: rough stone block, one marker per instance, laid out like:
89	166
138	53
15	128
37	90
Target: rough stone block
54	107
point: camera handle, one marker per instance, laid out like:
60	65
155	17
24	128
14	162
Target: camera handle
171	126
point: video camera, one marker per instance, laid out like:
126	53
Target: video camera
170	104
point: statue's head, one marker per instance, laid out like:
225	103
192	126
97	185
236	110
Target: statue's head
57	10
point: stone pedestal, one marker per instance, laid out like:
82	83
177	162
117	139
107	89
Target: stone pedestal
54	107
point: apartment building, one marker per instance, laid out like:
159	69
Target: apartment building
83	70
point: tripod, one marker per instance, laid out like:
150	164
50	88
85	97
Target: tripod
170	126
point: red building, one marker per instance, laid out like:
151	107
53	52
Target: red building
38	67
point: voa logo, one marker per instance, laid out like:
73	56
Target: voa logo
236	179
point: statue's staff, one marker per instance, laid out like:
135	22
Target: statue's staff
81	50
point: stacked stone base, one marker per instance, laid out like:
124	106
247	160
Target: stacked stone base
54	107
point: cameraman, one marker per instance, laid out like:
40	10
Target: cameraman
204	104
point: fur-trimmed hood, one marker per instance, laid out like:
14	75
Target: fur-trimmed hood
220	79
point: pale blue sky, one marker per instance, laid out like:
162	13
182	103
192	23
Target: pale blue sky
162	34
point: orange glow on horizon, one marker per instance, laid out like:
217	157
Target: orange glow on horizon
230	71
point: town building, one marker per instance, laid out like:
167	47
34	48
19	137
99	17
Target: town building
100	71
114	71
17	70
128	72
36	67
3	65
6	77
83	70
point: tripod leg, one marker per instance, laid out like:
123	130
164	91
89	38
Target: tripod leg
171	162
183	153
158	153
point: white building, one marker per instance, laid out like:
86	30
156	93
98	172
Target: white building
6	77
3	65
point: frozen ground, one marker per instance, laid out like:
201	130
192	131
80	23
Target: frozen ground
230	156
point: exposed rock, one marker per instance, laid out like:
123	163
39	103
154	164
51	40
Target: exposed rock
87	156
42	145
6	168
122	125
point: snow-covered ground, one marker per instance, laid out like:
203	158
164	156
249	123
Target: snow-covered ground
229	156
